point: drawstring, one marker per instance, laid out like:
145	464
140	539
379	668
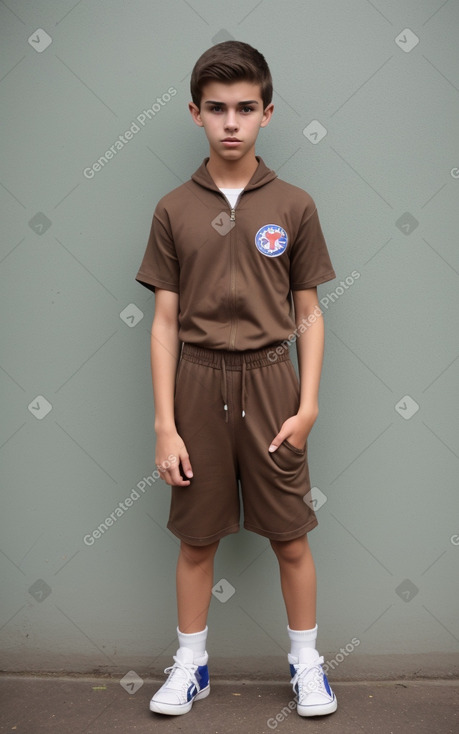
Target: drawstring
224	389
236	361
243	386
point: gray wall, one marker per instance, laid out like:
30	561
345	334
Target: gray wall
75	341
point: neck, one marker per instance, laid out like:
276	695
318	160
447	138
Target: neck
232	174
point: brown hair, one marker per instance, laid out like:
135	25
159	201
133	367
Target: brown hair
228	62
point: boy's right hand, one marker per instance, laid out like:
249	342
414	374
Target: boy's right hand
176	473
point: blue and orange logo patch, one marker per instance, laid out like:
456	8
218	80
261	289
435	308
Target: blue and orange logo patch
271	240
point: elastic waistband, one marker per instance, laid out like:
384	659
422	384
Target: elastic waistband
251	358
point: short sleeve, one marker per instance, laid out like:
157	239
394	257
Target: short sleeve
160	266
310	262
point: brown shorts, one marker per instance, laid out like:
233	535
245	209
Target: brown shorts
229	445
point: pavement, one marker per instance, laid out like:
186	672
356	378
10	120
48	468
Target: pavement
98	705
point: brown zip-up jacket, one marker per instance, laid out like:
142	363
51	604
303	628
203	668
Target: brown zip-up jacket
234	269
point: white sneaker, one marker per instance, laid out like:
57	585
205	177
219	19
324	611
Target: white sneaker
187	683
313	693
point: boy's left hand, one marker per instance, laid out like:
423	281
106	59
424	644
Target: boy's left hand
295	430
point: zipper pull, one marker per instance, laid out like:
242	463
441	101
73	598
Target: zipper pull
233	215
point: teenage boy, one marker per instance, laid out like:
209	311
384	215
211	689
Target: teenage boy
228	253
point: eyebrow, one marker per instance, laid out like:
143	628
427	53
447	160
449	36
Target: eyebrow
223	104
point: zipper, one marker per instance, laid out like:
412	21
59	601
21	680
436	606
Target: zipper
232	337
232	208
233	328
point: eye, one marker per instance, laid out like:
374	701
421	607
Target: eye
216	108
247	109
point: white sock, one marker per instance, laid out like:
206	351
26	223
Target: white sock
301	638
195	642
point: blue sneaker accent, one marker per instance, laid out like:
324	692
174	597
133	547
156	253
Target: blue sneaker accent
192	692
202	676
327	686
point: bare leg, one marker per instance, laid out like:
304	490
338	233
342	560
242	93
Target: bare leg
195	571
298	581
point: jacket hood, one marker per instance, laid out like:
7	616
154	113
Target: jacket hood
261	176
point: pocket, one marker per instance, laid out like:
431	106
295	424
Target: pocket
289	458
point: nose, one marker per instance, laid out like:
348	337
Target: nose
231	123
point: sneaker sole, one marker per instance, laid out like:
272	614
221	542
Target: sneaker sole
171	709
318	710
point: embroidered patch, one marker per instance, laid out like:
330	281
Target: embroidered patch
271	240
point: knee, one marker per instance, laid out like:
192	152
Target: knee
198	554
290	551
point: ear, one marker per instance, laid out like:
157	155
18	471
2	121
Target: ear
195	113
267	114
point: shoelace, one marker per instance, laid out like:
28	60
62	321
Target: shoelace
315	684
181	676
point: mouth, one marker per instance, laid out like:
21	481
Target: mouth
231	142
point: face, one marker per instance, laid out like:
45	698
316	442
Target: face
231	115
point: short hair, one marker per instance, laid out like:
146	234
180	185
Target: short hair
231	61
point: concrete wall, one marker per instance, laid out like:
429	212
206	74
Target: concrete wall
381	80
